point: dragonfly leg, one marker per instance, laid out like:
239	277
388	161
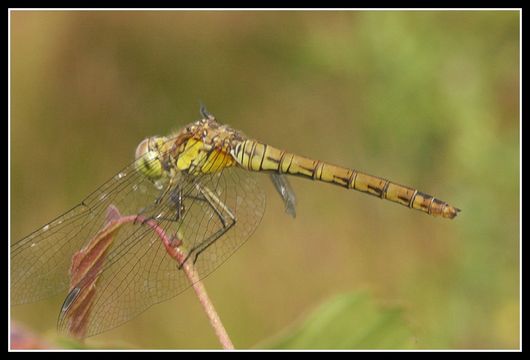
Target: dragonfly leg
165	191
225	215
176	198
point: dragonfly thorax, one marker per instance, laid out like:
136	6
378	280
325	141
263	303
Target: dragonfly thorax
205	147
202	147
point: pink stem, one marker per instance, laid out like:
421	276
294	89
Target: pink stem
173	250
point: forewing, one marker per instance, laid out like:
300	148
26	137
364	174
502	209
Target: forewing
40	262
138	272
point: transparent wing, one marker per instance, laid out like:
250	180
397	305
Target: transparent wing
40	262
284	188
138	272
211	214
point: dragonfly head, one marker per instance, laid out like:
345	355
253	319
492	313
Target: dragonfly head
148	157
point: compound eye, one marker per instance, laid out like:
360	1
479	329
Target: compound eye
147	160
142	148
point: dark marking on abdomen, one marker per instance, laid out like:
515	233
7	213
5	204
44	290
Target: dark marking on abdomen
274	160
308	169
404	199
426	198
377	191
342	181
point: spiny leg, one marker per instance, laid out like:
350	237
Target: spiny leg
175	197
219	208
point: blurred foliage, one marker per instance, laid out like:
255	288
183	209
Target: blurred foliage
348	321
425	98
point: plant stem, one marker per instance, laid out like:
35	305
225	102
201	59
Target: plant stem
209	309
173	250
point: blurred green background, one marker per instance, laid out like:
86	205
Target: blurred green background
427	99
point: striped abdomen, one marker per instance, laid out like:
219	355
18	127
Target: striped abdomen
255	156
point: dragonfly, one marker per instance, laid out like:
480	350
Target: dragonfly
196	186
